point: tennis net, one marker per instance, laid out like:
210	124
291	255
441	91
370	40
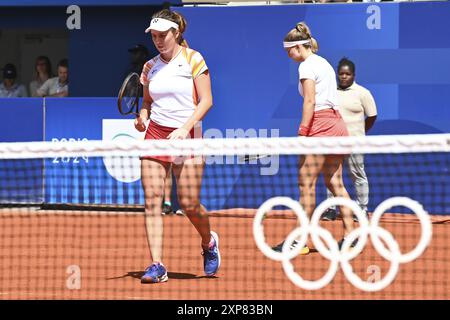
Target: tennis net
74	223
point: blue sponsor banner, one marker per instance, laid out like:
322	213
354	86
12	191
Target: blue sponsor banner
255	87
255	73
21	121
255	95
86	180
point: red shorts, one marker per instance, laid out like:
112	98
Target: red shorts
328	123
157	131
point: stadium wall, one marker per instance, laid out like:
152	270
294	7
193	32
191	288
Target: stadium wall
255	88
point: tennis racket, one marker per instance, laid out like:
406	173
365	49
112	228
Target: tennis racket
130	91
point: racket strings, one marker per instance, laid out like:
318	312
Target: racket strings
129	95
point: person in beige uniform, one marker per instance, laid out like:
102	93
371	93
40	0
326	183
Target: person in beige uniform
359	111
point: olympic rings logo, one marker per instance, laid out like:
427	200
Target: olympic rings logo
331	251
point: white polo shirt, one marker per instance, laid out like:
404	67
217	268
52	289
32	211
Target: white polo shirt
171	86
318	69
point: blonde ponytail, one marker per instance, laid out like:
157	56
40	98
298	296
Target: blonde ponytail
181	21
314	45
302	32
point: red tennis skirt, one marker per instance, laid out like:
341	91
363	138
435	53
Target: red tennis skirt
157	131
328	123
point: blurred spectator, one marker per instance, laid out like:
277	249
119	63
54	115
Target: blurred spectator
9	88
43	68
57	86
139	56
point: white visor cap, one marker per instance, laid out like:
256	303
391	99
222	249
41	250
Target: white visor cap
160	24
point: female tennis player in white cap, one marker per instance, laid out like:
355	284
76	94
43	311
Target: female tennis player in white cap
177	95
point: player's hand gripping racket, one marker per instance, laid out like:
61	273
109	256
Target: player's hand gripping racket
128	100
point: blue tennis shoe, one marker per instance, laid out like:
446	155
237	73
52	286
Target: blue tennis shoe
155	273
211	257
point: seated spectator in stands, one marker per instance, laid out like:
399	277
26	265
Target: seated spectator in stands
57	86
9	88
43	69
139	56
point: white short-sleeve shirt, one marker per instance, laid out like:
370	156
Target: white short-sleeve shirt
318	69
356	102
171	86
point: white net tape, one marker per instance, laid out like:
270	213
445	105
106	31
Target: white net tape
239	146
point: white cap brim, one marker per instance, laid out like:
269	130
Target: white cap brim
160	24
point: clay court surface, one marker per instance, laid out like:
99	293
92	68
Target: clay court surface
38	247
